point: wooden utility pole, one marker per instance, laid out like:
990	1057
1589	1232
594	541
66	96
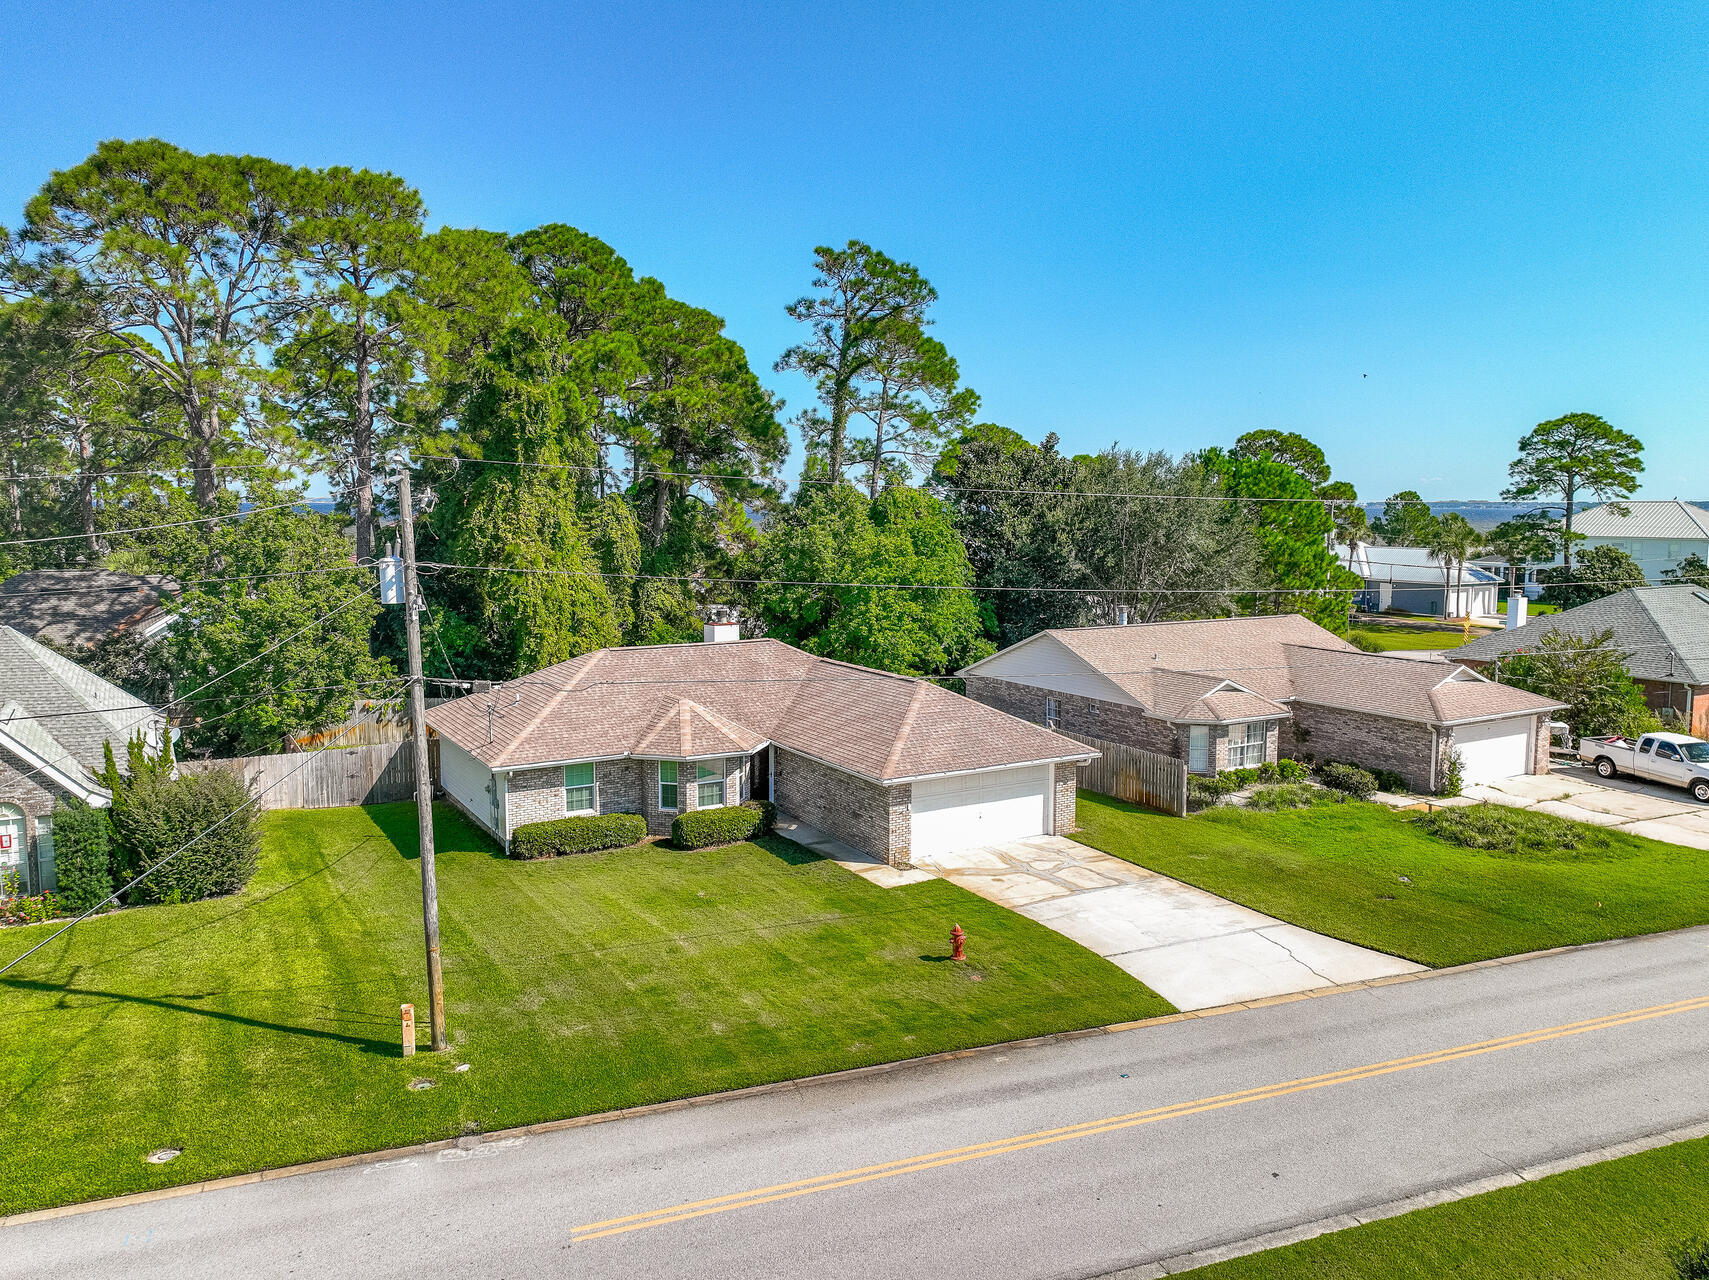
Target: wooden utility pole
423	768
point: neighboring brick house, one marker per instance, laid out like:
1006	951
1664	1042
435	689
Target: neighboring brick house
1224	693
890	764
1663	630
55	722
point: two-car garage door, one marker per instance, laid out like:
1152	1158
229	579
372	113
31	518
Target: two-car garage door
1494	750
979	808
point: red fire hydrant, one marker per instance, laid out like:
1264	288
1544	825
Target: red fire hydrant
959	940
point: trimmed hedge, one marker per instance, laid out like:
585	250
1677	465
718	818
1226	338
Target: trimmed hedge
577	835
703	828
1350	779
82	856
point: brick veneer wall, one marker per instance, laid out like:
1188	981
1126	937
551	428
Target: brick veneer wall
621	786
1094	717
18	787
1111	721
1063	795
1372	742
874	819
1540	745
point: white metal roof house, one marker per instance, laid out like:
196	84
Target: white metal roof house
1658	535
1411	580
55	722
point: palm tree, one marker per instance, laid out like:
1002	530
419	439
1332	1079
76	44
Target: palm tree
1453	541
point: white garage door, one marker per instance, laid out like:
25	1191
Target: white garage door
979	808
1493	751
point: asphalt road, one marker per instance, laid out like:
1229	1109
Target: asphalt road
1211	1131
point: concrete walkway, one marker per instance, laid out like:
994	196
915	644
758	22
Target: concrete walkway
1194	949
1627	804
847	856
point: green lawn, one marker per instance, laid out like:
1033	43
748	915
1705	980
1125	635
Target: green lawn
1612	1221
1370	875
262	1029
1398	637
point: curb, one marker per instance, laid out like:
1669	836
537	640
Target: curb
803	1082
1396	1208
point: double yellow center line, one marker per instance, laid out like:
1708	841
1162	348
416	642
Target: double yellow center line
1090	1128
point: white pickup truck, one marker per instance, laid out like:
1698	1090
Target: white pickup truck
1661	757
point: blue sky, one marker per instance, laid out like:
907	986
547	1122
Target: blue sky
1408	231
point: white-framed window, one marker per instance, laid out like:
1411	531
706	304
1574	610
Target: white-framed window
1051	720
667	785
1198	748
11	839
578	788
709	779
1246	746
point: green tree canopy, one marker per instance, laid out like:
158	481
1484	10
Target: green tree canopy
1600	571
838	536
866	324
1297	571
1569	455
1589	674
1406	521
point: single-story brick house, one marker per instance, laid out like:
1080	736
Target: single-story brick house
1224	693
890	764
1664	631
56	720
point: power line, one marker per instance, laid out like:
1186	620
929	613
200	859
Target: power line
154	471
932	586
1051	493
149	528
172	587
308	758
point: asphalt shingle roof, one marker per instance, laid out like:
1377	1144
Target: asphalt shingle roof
1272	660
672	700
1664	629
77	607
49	698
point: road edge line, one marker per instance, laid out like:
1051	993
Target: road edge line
1284	1236
800	1082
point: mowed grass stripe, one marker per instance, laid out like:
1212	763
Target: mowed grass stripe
261	1030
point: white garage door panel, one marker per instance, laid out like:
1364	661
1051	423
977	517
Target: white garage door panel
1493	751
979	808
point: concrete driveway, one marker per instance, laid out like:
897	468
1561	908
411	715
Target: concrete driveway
1574	791
1194	949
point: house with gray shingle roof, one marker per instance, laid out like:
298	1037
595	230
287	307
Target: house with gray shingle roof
78	608
1663	630
890	764
1227	693
56	720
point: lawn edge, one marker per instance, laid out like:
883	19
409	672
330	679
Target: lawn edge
1429	1199
834	1077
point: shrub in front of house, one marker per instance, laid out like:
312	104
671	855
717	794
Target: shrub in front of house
1287	795
1390	781
585	834
1203	792
82	856
703	828
196	833
1350	779
1496	828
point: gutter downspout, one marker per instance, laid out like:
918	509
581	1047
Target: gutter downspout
1435	755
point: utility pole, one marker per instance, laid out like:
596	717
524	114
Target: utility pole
423	769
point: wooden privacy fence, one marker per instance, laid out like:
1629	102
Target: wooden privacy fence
1137	776
376	774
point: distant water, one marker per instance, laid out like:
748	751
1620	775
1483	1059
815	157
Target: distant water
1486	515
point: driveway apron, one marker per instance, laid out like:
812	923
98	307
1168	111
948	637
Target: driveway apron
1194	949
